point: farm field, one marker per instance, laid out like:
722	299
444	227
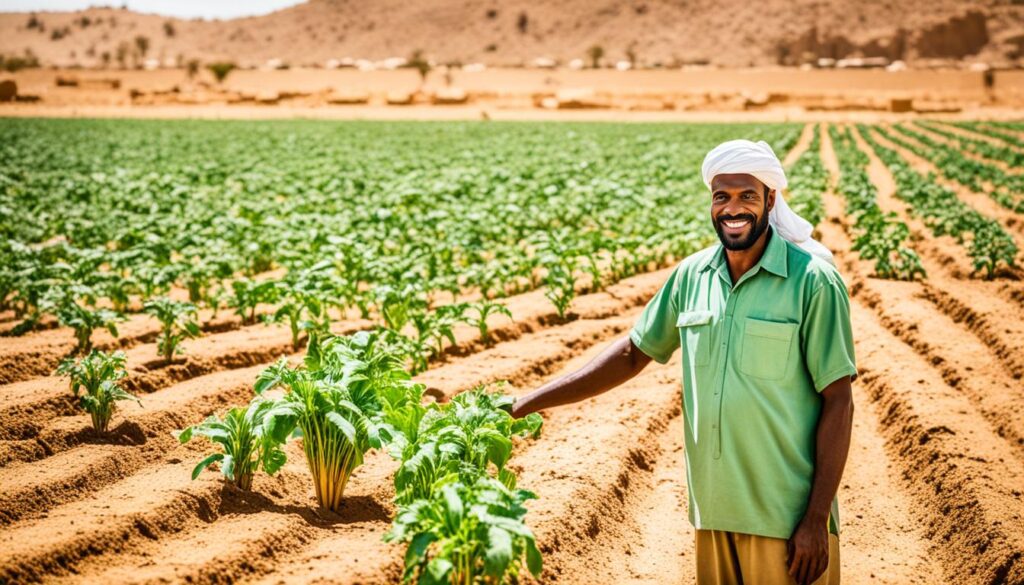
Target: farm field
475	253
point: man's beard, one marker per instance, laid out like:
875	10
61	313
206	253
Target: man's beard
741	243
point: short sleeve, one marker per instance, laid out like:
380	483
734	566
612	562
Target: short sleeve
827	334
655	331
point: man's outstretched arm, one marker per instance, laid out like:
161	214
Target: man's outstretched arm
620	362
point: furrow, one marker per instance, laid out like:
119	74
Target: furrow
38	354
988	309
938	434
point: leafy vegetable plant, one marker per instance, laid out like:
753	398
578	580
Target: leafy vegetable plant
467	533
94	381
246	443
332	404
84	320
177	322
478	313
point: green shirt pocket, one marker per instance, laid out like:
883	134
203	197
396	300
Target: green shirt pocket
695	335
766	348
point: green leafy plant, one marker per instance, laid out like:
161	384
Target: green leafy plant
465	534
434	327
84	320
246	441
177	322
94	381
561	289
470	435
480	311
221	69
304	303
332	404
248	295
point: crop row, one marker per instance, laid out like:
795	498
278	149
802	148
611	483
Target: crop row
342	216
459	508
988	244
880	236
993	129
969	172
808	179
979	146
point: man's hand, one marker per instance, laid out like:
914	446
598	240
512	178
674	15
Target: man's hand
808	551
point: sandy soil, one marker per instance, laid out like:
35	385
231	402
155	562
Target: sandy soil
932	491
753	93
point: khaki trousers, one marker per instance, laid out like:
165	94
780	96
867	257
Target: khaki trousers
731	558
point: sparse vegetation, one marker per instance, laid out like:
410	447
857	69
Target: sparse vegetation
141	48
15	63
221	69
418	62
595	54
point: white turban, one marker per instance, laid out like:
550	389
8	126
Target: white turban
759	160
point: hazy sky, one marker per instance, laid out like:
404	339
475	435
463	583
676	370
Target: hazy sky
179	8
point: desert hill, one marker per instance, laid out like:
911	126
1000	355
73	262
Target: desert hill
733	33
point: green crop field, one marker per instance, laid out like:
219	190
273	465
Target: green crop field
292	346
100	216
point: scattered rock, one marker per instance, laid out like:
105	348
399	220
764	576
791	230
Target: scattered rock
399	98
347	98
8	90
901	105
449	96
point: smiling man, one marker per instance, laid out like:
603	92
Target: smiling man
763	320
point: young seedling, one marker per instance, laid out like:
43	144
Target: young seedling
561	289
250	294
434	327
303	306
245	441
84	320
96	378
177	322
480	311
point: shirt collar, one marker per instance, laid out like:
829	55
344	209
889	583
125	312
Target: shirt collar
774	259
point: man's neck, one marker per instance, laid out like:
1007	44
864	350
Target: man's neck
740	261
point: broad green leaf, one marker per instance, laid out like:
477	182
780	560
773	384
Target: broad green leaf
499	552
205	463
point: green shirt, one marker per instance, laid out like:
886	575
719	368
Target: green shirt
755	357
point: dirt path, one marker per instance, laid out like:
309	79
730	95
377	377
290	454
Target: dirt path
806	135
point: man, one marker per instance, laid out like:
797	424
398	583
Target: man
763	320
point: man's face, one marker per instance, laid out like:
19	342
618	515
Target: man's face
739	209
